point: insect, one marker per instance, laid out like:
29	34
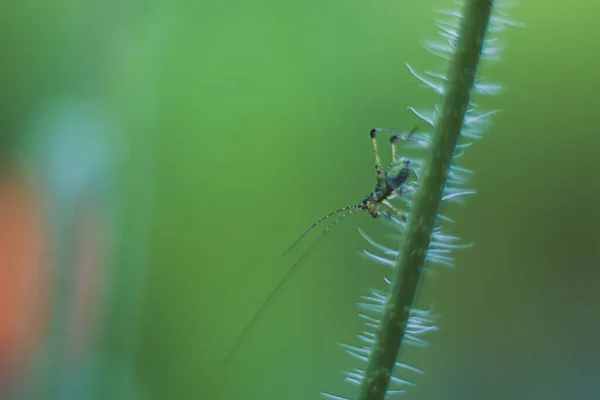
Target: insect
390	182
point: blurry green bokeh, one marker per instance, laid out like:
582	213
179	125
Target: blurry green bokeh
257	117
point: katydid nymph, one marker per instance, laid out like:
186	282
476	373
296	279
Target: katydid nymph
390	183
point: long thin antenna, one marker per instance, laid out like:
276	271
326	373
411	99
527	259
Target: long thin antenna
352	210
318	222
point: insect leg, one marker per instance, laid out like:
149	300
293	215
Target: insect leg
393	140
378	169
408	188
398	135
394	209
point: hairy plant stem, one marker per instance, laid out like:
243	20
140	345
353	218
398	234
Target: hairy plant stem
408	266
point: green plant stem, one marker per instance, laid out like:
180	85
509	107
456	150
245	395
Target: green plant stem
408	266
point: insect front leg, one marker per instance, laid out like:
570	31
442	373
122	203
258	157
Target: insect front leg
395	210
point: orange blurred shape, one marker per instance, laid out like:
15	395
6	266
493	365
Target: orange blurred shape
23	276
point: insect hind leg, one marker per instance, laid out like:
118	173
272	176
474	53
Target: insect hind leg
398	135
378	168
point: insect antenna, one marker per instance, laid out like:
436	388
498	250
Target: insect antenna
354	207
350	210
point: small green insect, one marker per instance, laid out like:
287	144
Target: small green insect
390	183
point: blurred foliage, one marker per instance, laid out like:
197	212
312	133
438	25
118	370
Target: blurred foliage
251	120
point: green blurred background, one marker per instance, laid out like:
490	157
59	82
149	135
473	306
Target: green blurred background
241	123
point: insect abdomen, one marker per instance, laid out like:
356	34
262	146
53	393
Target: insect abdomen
396	174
